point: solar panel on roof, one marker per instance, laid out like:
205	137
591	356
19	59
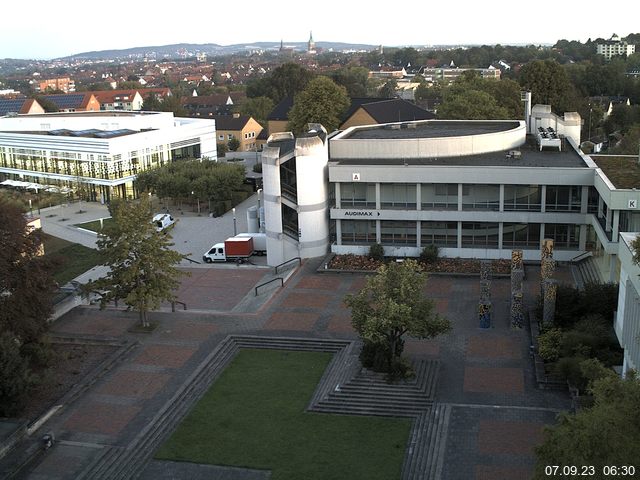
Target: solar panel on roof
11	105
68	100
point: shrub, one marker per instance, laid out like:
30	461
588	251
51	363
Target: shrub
16	379
375	356
569	368
429	254
257	168
549	344
376	252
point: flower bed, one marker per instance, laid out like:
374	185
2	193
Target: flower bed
442	265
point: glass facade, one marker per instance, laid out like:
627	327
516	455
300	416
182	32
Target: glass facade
481	197
520	235
439	196
290	222
522	198
564	236
480	235
358	195
358	232
398	232
400	196
288	180
442	234
562	198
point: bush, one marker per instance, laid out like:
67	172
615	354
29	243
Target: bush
376	252
16	379
569	368
375	356
573	304
549	344
429	254
257	168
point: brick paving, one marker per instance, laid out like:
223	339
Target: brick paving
493	380
486	376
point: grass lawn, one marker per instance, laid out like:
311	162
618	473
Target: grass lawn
253	416
71	259
94	225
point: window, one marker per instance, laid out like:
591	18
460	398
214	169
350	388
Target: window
398	232
439	196
521	235
230	136
479	235
562	198
358	232
400	196
522	198
358	195
564	236
481	197
441	234
220	137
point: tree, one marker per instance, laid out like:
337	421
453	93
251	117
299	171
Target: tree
388	90
259	108
152	103
392	304
16	378
233	144
285	81
321	102
142	267
549	85
354	79
471	105
26	284
605	434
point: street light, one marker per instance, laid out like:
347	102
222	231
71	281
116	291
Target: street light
235	231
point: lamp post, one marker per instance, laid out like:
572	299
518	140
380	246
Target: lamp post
235	230
590	110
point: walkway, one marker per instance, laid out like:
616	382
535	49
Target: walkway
492	413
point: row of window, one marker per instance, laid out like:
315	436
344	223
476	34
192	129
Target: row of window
445	234
444	196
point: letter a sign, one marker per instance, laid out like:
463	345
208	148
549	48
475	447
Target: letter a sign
355	177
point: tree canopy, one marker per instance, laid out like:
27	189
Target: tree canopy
549	85
142	267
603	435
392	304
285	81
321	102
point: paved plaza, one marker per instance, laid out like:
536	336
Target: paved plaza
486	375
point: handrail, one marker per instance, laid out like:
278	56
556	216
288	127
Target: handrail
173	305
267	283
288	261
192	261
583	254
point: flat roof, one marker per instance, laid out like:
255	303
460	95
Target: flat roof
430	129
531	156
101	113
89	133
622	171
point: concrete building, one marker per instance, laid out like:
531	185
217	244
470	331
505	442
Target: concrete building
66	85
449	74
627	319
614	47
74	102
127	100
295	193
241	127
100	152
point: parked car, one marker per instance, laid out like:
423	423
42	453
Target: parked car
163	221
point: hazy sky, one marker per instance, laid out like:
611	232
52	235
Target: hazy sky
39	29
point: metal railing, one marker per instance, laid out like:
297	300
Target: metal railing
581	256
192	261
173	305
288	261
267	283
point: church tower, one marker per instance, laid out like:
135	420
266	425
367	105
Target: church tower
311	45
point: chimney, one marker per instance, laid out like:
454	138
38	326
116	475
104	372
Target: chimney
236	115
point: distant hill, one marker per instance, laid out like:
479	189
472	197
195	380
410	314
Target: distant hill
213	49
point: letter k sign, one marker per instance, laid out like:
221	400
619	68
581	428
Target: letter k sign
633	204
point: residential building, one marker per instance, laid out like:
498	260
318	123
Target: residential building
614	47
19	106
241	127
66	85
127	100
209	105
100	151
371	111
451	73
74	102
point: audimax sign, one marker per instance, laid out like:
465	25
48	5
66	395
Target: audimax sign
361	213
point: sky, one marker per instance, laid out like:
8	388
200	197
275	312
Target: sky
42	30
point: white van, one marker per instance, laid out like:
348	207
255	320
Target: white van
162	221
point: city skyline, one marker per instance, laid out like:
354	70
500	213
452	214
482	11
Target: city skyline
123	25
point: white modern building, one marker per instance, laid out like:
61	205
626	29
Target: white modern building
102	151
614	47
627	321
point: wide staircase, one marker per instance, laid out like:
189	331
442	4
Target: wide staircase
586	271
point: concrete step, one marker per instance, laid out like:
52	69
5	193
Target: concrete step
340	409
